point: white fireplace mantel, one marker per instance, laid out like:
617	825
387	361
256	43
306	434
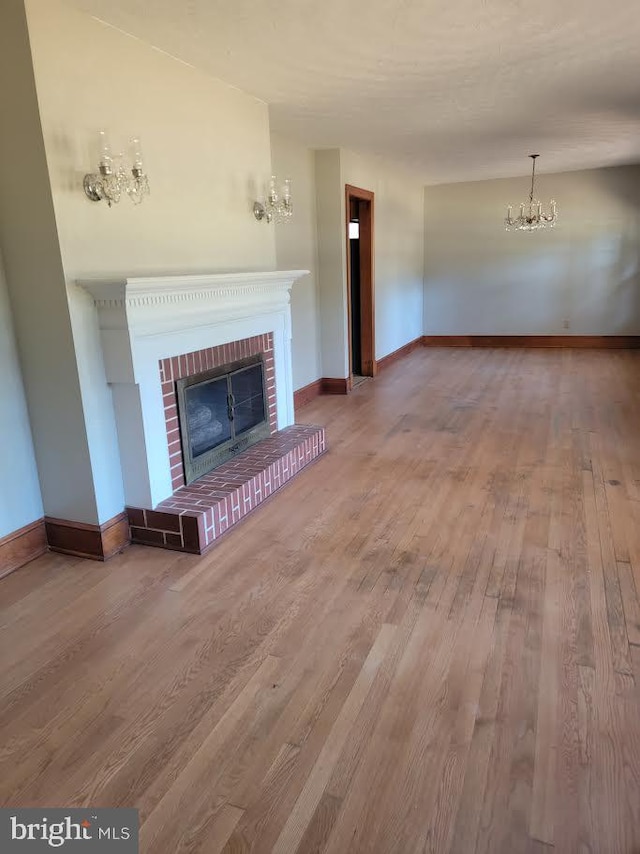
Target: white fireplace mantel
145	319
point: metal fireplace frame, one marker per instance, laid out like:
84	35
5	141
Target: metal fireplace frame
199	466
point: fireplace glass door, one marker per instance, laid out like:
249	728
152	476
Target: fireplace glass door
221	413
207	421
247	399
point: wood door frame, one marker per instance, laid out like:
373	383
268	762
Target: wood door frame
367	281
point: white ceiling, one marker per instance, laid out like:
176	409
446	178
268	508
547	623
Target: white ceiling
457	89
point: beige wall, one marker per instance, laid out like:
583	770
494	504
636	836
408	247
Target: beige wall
20	500
35	278
479	279
331	263
207	153
296	249
206	148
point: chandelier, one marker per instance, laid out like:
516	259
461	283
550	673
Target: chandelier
112	180
531	216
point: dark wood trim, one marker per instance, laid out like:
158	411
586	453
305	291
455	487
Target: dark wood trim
335	385
21	546
390	358
367	279
448	340
306	394
115	535
581	342
96	542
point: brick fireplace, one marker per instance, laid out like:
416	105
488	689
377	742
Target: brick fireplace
158	331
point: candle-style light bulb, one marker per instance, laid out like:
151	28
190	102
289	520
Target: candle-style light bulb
273	191
136	151
106	158
286	190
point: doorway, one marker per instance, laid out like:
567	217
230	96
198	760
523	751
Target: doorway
360	287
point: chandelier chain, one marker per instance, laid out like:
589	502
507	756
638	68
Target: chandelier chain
533	175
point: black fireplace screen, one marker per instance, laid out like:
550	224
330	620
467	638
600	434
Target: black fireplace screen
221	412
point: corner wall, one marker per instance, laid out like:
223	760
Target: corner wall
297	249
35	279
398	253
332	268
398	247
585	272
20	500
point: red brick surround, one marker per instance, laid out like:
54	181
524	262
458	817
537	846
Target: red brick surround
188	364
198	514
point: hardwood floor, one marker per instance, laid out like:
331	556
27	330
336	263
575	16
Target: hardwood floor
428	642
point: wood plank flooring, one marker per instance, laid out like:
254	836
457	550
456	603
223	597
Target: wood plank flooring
427	642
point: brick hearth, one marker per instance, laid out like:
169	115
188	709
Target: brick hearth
198	514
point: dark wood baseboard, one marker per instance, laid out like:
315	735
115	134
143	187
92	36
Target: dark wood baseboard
21	546
306	394
335	385
407	348
580	342
96	542
324	385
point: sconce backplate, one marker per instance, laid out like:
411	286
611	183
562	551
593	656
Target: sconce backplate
260	212
90	184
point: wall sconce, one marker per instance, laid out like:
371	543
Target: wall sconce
277	206
111	181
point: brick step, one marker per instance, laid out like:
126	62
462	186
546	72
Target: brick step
198	514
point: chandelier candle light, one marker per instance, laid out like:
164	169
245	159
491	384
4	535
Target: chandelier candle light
278	206
112	180
531	216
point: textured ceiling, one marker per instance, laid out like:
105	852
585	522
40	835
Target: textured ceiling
457	89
